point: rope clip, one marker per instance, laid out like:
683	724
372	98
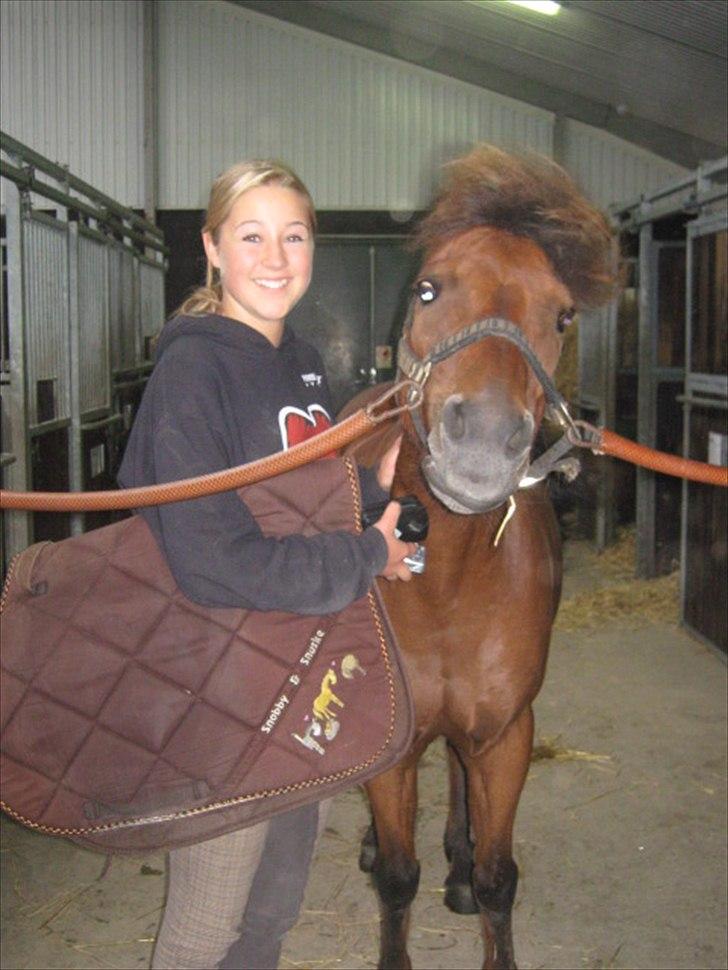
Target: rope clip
412	399
584	435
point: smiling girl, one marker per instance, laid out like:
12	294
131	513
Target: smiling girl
232	383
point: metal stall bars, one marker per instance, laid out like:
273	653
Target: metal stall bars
645	367
704	525
83	294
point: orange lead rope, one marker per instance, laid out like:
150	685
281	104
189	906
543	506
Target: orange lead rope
579	433
335	438
605	442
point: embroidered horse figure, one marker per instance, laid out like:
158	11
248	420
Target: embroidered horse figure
322	704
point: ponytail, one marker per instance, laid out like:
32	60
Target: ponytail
205	299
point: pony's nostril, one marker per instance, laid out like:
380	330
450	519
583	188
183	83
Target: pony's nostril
454	418
521	437
457	421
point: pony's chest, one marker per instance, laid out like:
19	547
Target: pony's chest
474	658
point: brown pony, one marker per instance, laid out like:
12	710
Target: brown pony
509	238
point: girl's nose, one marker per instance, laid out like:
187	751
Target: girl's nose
274	254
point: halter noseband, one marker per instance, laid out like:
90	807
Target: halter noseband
418	369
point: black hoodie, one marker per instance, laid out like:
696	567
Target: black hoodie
222	395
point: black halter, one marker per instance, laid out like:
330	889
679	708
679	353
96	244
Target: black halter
418	369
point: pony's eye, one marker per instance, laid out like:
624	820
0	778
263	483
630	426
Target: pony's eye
565	318
426	290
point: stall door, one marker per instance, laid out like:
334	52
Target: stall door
660	383
705	507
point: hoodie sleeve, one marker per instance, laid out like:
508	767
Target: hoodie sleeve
213	546
372	492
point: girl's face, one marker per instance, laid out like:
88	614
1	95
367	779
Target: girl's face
265	255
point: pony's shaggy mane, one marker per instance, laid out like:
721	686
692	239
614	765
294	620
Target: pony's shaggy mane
527	195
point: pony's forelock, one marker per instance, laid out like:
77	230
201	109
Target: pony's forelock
528	195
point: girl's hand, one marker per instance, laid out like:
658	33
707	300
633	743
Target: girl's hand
397	550
385	472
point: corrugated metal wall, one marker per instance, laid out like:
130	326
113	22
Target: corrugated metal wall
93	324
71	87
46	304
609	169
364	131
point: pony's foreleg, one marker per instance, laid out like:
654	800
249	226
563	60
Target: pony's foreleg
458	846
395	872
495	782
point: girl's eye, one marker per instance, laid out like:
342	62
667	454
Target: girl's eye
565	319
296	237
251	237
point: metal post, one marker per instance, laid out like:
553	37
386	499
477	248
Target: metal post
75	449
136	286
150	110
372	373
558	150
687	407
15	410
606	517
646	401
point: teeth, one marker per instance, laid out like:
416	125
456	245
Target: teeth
272	284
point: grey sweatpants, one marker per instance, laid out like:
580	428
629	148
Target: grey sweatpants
231	900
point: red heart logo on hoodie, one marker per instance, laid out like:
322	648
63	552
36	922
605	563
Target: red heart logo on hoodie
297	425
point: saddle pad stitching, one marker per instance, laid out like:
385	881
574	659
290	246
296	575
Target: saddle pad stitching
188	813
308	518
132	659
342	773
237	635
159	758
63	783
93	722
241	799
56	784
53	651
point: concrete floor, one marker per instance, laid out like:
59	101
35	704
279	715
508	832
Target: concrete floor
622	857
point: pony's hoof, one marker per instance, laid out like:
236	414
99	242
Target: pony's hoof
460	899
367	855
368	850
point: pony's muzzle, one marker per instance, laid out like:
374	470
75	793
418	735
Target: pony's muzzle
479	449
488	421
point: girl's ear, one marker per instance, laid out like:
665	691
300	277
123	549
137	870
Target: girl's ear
210	250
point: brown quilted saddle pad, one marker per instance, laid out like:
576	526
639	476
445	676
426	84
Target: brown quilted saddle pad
134	719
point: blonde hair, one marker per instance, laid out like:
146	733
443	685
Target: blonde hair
225	192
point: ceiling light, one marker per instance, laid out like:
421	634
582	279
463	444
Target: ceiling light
549	7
